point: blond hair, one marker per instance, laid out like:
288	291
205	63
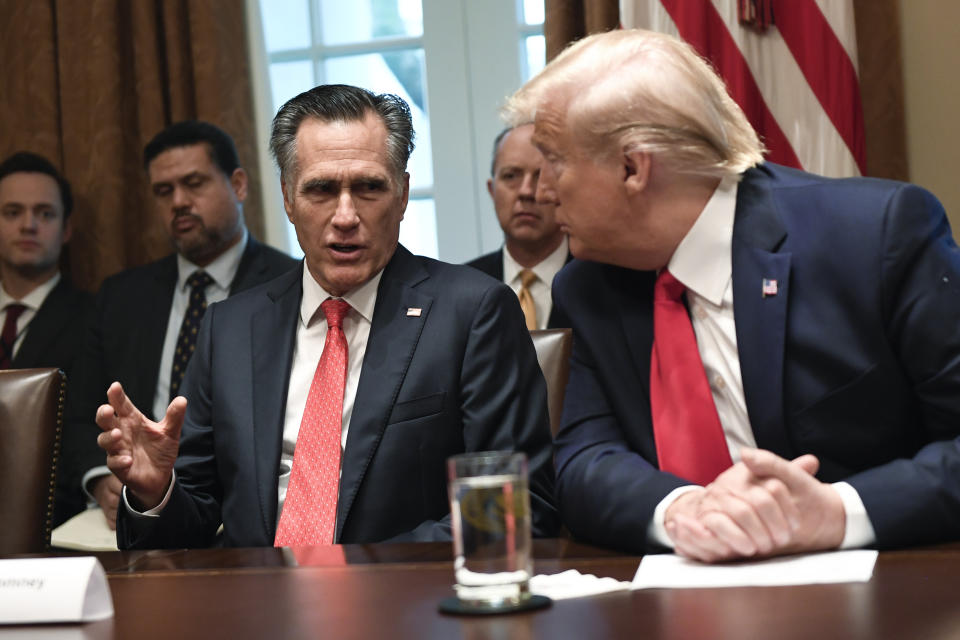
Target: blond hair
636	90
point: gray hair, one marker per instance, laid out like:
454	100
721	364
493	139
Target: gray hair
341	103
496	149
635	90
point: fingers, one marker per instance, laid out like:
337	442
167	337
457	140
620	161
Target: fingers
749	522
796	475
808	463
693	540
118	399
173	420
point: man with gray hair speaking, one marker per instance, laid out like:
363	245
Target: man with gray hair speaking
765	361
323	404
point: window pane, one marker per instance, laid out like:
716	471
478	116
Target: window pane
286	24
288	79
363	20
533	11
536	58
401	73
418	231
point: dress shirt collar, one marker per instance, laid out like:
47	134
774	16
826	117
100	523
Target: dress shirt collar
546	269
702	261
363	299
222	269
35	298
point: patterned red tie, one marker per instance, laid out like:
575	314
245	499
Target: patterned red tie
309	514
9	335
686	428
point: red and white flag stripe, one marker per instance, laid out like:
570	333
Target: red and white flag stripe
796	81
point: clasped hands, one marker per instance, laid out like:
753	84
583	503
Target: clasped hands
762	506
140	452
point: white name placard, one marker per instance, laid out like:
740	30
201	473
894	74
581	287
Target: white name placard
53	590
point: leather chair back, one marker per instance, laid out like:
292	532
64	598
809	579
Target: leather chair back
553	352
31	420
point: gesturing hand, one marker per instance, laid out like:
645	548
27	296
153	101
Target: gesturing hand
762	506
140	452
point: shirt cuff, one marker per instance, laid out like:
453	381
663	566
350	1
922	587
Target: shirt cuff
154	512
859	530
656	531
88	478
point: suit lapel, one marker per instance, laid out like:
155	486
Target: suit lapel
394	336
761	318
51	318
272	336
250	268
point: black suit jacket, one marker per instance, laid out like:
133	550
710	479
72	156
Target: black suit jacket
461	375
492	265
856	359
54	339
124	342
55	334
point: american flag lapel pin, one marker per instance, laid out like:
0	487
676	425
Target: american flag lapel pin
769	288
414	312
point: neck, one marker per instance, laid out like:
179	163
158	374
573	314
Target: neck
19	284
529	255
681	201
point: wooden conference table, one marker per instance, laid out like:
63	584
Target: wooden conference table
391	591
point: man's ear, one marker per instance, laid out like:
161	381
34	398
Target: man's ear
636	171
238	181
490	186
287	201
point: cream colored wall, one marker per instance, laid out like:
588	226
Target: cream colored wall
931	69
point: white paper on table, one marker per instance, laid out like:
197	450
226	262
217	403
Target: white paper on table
53	590
672	571
573	584
86	531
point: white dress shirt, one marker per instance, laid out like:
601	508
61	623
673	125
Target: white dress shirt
311	335
703	263
540	290
32	302
222	270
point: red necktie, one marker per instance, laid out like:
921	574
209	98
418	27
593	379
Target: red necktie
686	428
9	335
310	510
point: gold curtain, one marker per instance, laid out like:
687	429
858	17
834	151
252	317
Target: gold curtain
878	53
568	20
88	83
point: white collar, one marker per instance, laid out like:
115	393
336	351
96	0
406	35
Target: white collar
702	260
222	269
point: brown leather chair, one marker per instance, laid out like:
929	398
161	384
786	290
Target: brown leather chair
31	420
553	352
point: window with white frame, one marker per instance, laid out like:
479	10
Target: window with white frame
453	61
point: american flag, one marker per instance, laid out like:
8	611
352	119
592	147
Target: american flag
769	288
791	65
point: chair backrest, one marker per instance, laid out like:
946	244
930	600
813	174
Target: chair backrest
31	420
553	352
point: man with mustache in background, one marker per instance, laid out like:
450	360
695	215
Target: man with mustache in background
143	329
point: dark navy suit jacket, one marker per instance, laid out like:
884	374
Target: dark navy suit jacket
124	341
460	376
492	265
856	358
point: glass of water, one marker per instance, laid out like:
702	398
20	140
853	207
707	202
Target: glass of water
490	513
